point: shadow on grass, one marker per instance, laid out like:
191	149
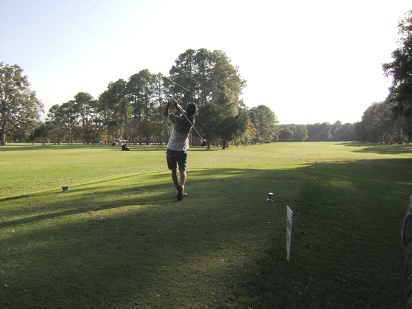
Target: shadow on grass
128	244
380	148
346	248
115	245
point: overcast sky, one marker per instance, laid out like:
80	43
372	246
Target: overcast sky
309	61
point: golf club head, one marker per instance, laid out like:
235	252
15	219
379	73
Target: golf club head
203	142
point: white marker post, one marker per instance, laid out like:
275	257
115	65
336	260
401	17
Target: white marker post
289	214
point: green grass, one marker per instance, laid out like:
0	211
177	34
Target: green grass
119	239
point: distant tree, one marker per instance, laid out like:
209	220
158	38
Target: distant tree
234	128
86	109
21	132
19	107
149	129
40	133
63	122
300	133
372	119
380	125
113	107
346	132
320	132
342	132
293	133
247	135
69	118
335	130
400	93
84	104
142	90
265	121
160	93
56	124
285	133
360	132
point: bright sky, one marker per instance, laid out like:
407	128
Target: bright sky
309	61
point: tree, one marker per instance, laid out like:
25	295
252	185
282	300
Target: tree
234	128
285	133
85	107
142	89
160	92
113	107
300	133
63	121
56	124
342	132
213	83
374	121
19	106
265	121
320	132
247	135
293	133
400	92
360	131
41	133
84	104
380	126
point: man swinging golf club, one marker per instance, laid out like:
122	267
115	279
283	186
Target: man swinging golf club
179	143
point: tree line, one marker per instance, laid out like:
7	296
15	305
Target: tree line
389	121
378	125
132	109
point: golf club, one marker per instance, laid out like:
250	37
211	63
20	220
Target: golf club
204	142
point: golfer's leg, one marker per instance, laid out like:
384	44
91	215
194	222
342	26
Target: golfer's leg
183	177
174	178
182	167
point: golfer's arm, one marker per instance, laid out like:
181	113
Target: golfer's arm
166	110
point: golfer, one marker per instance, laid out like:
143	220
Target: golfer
179	143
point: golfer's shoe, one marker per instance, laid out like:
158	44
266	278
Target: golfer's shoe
180	193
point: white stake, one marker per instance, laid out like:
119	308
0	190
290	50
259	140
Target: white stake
289	214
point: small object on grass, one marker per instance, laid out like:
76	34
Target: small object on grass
270	197
65	188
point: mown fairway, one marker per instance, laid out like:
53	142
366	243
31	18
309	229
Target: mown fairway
119	239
